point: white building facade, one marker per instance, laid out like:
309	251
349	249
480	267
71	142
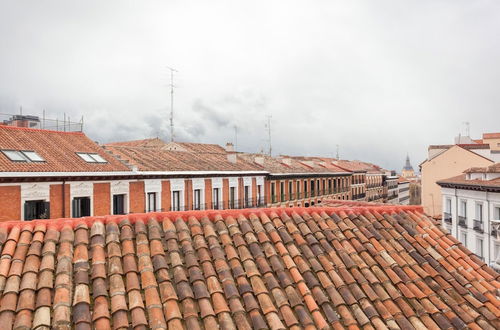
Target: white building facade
471	213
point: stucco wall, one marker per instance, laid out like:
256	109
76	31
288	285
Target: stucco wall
448	164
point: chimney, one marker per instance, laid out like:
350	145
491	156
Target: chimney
231	157
229	147
259	160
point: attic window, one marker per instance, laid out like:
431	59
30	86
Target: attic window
24	156
91	158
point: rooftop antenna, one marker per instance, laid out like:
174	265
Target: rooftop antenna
338	152
172	70
269	133
467	128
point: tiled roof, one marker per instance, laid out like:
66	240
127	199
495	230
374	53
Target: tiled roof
462	180
491	136
281	165
495	168
146	143
57	148
349	267
153	159
199	147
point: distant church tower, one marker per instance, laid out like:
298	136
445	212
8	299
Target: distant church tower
408	171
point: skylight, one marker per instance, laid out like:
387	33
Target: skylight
23	156
91	157
33	156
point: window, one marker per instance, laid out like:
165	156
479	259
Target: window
282	191
463	238
152	202
496	213
91	157
247	196
176	200
312	188
81	207
23	156
273	192
259	194
448	205
36	210
479	248
232	197
33	156
329	186
324	188
305	188
463	208
215	198
197	199
479	211
297	190
496	252
290	190
119	204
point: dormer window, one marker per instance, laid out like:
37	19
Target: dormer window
91	157
24	156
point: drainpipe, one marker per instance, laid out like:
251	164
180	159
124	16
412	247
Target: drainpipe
489	229
456	214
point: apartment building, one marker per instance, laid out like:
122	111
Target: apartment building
471	211
54	174
200	176
403	191
445	161
301	181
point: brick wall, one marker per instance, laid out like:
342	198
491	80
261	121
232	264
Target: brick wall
102	198
208	193
188	194
225	193
137	199
56	201
10	203
166	195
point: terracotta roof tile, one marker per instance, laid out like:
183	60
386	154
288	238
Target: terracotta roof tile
271	268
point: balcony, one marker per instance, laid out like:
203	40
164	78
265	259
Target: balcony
447	217
478	225
462	221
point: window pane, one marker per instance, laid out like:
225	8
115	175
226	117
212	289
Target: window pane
98	158
15	156
33	156
86	157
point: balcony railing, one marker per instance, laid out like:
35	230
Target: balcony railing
447	217
462	221
478	225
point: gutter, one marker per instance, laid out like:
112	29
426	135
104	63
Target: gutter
124	173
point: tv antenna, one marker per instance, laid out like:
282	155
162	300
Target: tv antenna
172	86
337	152
269	133
467	128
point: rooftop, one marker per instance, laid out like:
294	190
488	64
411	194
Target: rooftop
55	151
351	266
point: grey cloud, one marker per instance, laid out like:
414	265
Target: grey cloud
380	79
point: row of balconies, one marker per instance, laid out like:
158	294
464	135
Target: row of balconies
477	225
302	195
358	196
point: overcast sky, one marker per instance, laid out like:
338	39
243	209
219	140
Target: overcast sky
378	78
